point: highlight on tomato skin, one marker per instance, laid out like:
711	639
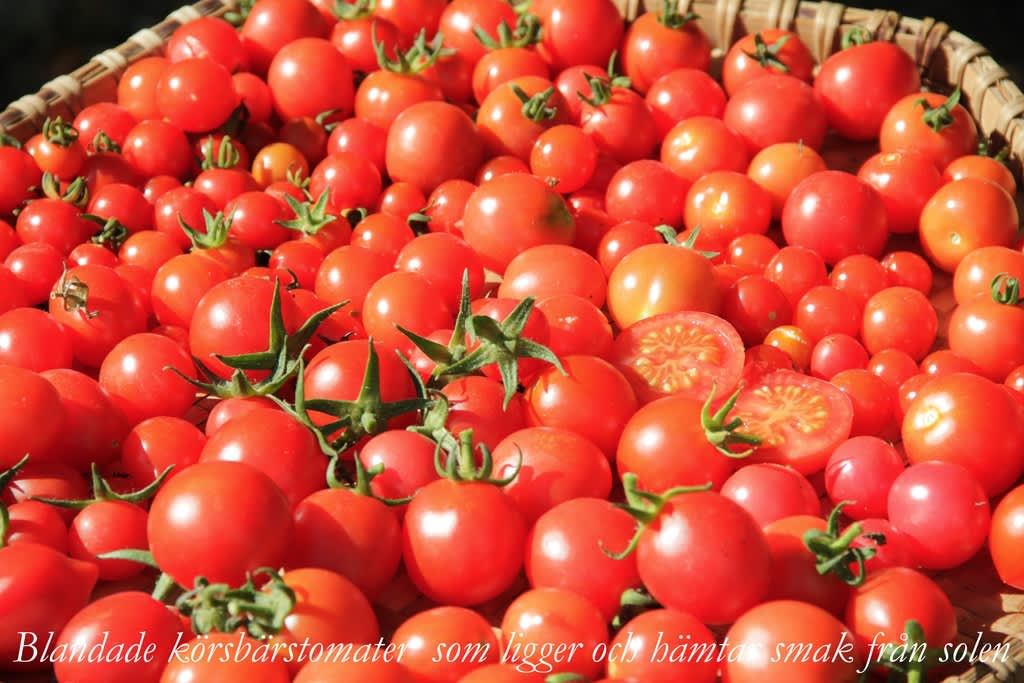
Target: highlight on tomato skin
416	340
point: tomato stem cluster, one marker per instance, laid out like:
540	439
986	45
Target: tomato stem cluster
834	551
645	507
5	478
219	607
941	116
722	434
525	34
767	54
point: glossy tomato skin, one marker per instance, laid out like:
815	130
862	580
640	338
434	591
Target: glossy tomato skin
634	653
29	400
974	274
578	327
794	574
904	127
705	534
157	443
274	24
860	84
408	462
883	326
862	471
741	64
755	305
432	142
423	633
880	608
652	47
572	532
196	95
486	531
623	128
353	671
776	108
118	620
217	657
41	591
681	94
305	62
836	215
944	423
406	299
984	332
512	213
648	191
1004	539
906	180
965	215
136	376
227	500
943	509
770	492
780	624
700	145
578	32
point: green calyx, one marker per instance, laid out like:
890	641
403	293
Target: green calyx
7	140
536	108
237	16
219	153
215	230
111	234
527	32
767	55
616	79
367	415
76	193
911	657
985	149
57	132
601	90
353	11
6	477
941	116
217	607
75	295
672	18
1005	289
834	552
282	359
359	480
566	678
633	603
668	233
645	507
460	465
721	433
857	35
101	142
310	217
102	491
500	343
420	57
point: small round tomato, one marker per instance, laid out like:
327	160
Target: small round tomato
860	276
796	270
755	305
779	168
835	353
985	332
634	653
553	269
578	31
432	142
197	662
893	365
944	511
578	327
906	180
141	375
825	310
862	471
157	443
932	124
1005	538
751	253
700	145
660	41
565	155
772	51
770	492
799	419
32	339
649	191
907	269
835	214
963	216
512	213
776	108
974	274
464	640
196	95
874	401
986	168
886	323
347	273
682	94
619	121
794	342
861	83
403	299
727	204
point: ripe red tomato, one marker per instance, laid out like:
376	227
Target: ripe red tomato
963	216
196	95
212	658
770	492
906	180
578	327
137	375
565	155
835	214
884	325
984	330
465	640
636	652
275	23
432	142
700	145
975	273
932	124
512	213
776	108
618	120
781	167
755	305
772	51
799	419
908	269
1005	535
217	500
726	205
647	191
578	31
210	38
154	444
20	175
461	17
861	83
983	167
661	41
835	353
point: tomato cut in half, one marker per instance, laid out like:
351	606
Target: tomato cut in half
800	419
685	353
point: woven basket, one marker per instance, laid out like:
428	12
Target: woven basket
948	59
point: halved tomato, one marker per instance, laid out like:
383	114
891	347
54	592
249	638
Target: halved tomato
683	353
799	419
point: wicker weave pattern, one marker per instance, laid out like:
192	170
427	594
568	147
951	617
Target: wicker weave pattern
947	58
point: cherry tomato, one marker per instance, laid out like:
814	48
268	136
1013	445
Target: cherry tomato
885	322
432	142
932	124
906	180
1004	538
682	94
963	216
986	168
975	273
661	41
776	108
835	353
861	471
700	145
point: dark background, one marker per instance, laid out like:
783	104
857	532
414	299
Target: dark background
40	39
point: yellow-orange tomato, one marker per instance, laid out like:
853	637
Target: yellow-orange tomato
276	161
985	168
780	167
661	278
794	342
965	215
977	270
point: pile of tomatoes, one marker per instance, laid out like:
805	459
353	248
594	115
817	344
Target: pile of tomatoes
502	342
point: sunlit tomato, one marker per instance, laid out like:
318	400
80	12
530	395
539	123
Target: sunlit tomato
514	115
944	511
699	145
799	419
347	273
975	273
157	443
432	142
931	124
661	278
276	161
136	89
861	83
893	365
137	373
906	180
770	492
794	575
908	269
835	214
1005	537
885	322
835	353
780	167
661	41
874	401
512	213
577	326
565	155
274	24
794	342
619	121
825	310
633	653
460	19
403	299
862	471
942	424
985	331
464	639
755	305
195	663
776	108
196	95
772	51
983	167
647	191
578	31
681	94
860	277
965	215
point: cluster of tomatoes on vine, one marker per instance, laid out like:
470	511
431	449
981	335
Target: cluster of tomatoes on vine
515	329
